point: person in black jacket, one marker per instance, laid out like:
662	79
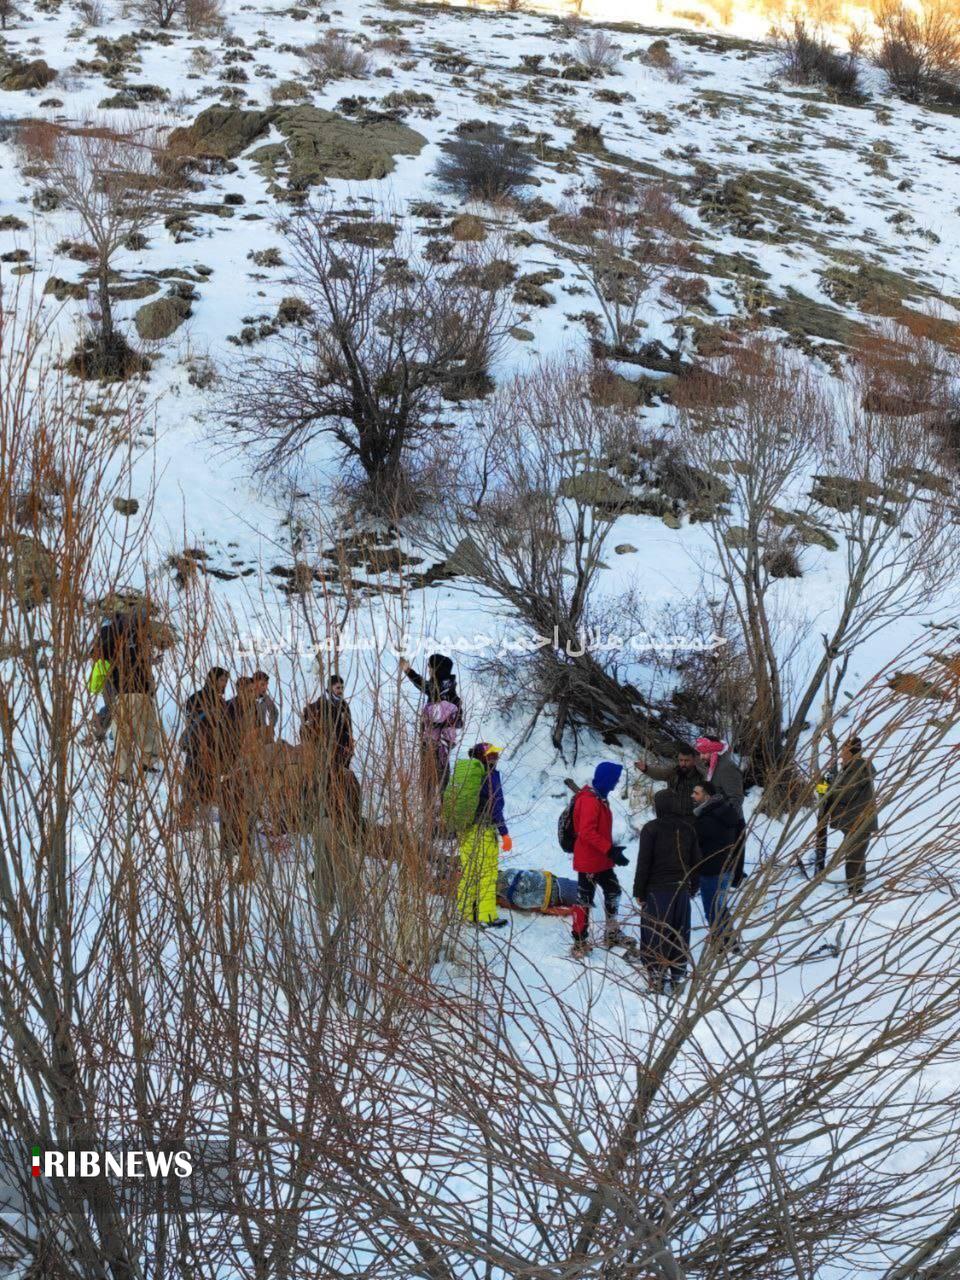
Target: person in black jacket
439	684
665	877
130	652
681	777
850	806
327	743
719	829
203	743
327	724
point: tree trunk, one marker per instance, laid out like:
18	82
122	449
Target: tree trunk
106	308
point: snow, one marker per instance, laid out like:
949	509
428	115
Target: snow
205	497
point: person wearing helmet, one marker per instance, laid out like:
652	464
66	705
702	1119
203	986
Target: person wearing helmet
480	845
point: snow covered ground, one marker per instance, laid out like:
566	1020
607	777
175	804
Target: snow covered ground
842	189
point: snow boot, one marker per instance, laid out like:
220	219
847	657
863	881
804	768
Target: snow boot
615	937
676	986
655	982
500	923
581	948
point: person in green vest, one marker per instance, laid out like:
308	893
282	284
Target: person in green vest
473	809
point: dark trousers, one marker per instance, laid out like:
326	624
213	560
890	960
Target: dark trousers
853	853
587	885
853	850
665	932
713	895
103	716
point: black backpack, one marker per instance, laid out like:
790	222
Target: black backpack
566	834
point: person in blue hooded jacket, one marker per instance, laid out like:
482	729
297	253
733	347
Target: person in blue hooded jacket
595	856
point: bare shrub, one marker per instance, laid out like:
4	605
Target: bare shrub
807	57
202	61
337	58
598	52
636	237
385	340
919	49
92	12
526	514
37	142
484	163
203	17
392	46
8	11
695	648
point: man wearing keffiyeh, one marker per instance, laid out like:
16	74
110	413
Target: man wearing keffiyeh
720	769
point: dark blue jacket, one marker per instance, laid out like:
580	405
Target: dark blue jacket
490	803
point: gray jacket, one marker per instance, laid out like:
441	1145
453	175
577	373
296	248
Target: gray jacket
728	780
851	801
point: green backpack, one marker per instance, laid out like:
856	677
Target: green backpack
461	796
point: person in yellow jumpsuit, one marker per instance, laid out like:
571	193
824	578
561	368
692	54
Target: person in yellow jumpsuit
480	846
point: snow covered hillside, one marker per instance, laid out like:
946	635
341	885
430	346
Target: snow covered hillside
618	365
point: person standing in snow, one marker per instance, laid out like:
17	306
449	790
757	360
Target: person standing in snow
718	828
134	707
850	806
266	710
203	744
103	654
718	767
595	856
479	847
665	876
327	723
440	719
680	778
326	737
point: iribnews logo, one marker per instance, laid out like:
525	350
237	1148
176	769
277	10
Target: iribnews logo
122	1164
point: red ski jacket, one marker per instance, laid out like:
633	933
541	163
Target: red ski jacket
593	829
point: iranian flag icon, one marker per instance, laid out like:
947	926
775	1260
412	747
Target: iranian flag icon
36	1162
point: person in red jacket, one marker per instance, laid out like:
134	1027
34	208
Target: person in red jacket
594	857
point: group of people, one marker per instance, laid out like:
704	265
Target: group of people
694	844
224	740
230	745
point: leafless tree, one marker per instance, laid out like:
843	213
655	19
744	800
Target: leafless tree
387	338
876	485
636	238
160	13
526	514
110	182
739	416
889	499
